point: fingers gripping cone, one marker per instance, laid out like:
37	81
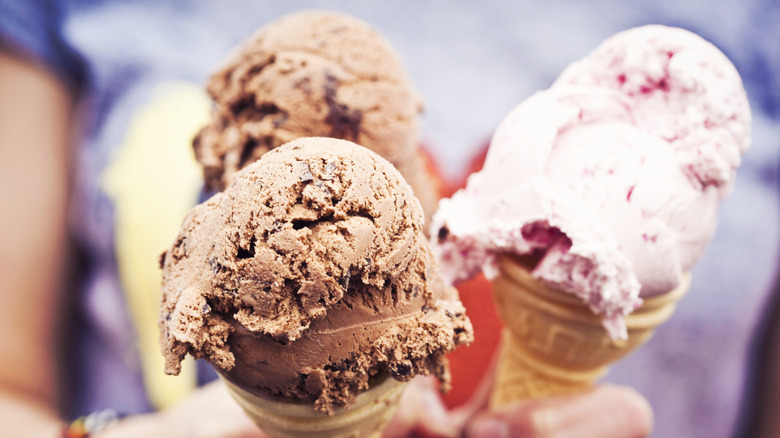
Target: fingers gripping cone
366	418
552	344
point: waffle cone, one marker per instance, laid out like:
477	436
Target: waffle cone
371	411
552	343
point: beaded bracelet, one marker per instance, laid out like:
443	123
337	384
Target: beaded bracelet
89	425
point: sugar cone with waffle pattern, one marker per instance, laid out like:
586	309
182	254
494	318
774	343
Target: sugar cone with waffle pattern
366	418
552	344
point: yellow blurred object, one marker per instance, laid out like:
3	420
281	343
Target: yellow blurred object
154	180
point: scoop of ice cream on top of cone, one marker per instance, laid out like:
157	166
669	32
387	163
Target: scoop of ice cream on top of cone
682	89
310	73
308	276
611	177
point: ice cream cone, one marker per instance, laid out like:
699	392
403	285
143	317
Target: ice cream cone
278	418
552	343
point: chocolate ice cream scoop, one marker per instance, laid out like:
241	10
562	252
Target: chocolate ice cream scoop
311	73
307	276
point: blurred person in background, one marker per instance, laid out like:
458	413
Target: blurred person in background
761	410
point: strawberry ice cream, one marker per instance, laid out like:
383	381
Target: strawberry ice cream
611	178
683	89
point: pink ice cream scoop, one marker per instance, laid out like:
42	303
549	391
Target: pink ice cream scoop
612	176
682	89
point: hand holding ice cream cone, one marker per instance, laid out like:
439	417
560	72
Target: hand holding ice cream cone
608	184
309	285
310	277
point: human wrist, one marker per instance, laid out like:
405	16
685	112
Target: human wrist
92	425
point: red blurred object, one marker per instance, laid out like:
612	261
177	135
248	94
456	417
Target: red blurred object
469	365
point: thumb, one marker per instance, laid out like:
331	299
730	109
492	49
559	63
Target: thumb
607	412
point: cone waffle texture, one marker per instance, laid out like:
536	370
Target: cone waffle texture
552	344
371	411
